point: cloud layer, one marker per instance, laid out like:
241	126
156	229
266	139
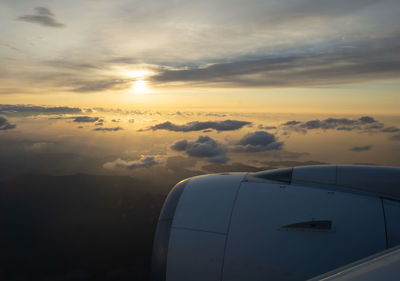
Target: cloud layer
227	125
143	162
364	123
31	110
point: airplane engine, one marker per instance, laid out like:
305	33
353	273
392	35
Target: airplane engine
283	224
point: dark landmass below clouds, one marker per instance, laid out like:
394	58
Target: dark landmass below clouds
78	227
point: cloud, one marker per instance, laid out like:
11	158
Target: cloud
100	85
365	124
43	16
180	145
391	129
395	137
257	141
227	125
367	119
143	162
203	147
361	148
5	125
30	110
85	119
112	129
367	59
262	127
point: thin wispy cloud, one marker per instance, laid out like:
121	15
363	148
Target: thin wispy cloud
42	16
143	162
31	110
361	148
110	129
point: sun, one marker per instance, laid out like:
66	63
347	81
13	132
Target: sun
140	87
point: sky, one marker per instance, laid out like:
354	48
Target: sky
170	86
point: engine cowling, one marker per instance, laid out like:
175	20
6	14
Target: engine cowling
285	224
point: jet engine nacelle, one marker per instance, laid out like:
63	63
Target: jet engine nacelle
284	224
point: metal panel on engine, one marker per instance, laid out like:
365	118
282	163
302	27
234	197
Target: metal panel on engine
272	235
195	255
206	203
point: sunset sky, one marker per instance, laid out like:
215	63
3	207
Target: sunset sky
170	86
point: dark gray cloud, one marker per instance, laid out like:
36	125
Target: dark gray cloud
361	148
5	125
43	16
395	137
85	119
340	124
367	119
363	124
391	129
366	60
112	129
227	125
258	141
30	110
204	147
180	145
143	162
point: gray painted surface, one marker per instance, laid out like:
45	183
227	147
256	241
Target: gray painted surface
384	266
195	255
392	214
206	203
383	181
258	250
325	174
